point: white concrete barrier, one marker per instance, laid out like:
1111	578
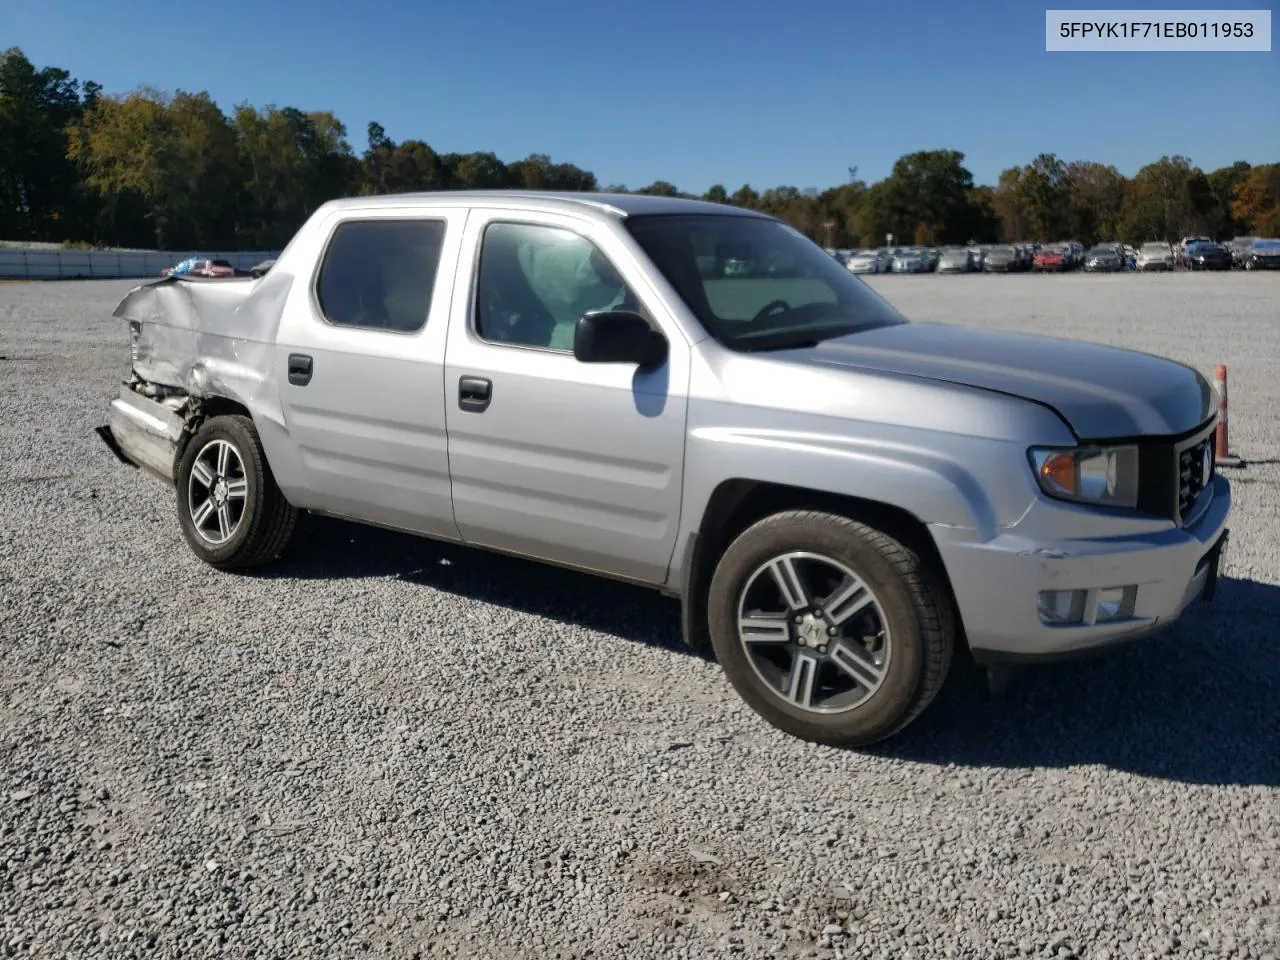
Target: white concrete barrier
22	263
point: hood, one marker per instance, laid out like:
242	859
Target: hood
1101	392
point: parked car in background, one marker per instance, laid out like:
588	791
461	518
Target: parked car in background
1182	252
1155	255
911	261
955	260
201	267
261	269
1239	247
1104	258
1001	260
1208	256
978	254
841	499
1051	259
1263	255
868	261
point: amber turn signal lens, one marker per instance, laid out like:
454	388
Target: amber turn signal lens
1060	470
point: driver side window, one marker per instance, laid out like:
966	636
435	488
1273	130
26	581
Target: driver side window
534	282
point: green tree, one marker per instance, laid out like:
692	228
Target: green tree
1093	195
928	192
40	197
1166	200
290	163
660	188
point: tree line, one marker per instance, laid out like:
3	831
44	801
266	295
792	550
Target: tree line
173	171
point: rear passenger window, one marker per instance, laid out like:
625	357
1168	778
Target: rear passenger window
380	273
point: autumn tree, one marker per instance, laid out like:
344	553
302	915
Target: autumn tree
1257	200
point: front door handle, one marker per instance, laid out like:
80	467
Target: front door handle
299	369
474	394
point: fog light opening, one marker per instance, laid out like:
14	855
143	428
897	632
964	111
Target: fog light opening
1116	603
1061	606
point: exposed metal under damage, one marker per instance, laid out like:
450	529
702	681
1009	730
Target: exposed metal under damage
191	339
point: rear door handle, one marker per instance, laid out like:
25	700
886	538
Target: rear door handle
299	369
474	394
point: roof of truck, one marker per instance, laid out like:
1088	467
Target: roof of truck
617	204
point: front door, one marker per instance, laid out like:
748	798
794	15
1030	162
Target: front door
571	462
359	363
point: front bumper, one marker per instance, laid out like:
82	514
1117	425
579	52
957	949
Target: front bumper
997	583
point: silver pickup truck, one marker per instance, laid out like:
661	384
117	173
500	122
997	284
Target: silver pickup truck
696	398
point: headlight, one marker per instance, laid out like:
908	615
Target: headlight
1104	476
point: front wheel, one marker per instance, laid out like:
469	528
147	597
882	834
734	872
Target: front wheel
831	630
232	513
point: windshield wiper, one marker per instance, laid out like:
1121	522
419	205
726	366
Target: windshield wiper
779	343
790	339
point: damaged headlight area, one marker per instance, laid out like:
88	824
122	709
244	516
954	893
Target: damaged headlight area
1099	476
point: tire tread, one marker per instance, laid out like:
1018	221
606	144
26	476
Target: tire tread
934	611
273	520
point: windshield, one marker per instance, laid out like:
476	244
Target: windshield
782	291
1267	245
1156	247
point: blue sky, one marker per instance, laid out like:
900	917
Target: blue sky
691	92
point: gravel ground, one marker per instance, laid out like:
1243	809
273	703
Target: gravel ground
393	747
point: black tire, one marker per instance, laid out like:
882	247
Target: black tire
914	605
265	522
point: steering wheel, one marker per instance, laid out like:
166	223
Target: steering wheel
770	308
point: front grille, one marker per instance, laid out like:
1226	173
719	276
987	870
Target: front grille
1171	473
1192	475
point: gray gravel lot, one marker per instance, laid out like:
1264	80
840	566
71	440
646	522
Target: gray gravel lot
390	746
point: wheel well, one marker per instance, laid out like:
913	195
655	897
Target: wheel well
737	504
200	410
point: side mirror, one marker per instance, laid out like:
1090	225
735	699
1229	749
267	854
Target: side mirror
618	336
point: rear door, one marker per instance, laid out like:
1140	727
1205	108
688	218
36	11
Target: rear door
575	463
359	363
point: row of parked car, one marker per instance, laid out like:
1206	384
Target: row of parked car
1191	253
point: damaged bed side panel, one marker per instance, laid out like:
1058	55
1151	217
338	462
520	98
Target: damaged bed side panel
193	340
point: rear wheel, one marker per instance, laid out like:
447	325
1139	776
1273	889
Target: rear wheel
232	513
831	630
